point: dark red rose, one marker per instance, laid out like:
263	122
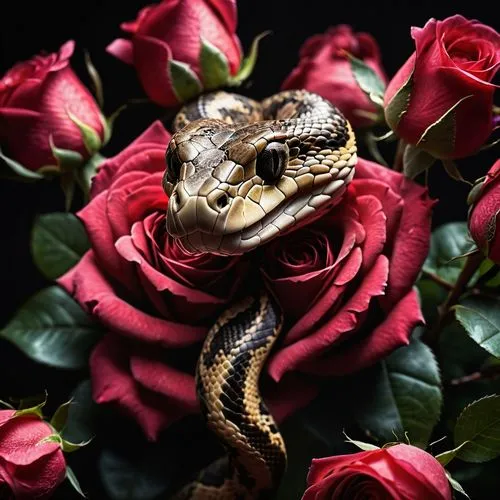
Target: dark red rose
153	298
325	69
30	466
399	472
42	98
455	59
174	31
484	216
345	281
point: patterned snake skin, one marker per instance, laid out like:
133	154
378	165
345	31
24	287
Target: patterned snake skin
240	173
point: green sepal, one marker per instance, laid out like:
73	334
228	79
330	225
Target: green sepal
248	63
456	485
399	103
447	456
109	122
33	410
214	66
86	173
452	170
70	475
439	137
416	161
96	80
478	426
361	444
368	80
60	417
67	160
371	142
90	137
17	171
185	83
66	446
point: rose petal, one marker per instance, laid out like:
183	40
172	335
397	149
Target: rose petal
122	49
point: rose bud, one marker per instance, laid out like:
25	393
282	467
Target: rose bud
448	76
43	105
484	214
31	466
325	69
175	44
398	472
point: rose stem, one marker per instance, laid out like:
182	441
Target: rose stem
488	373
398	158
471	264
437	279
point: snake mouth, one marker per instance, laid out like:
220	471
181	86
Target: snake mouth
287	216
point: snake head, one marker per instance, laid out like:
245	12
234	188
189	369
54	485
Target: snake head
233	187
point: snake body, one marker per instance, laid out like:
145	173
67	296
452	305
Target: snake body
240	173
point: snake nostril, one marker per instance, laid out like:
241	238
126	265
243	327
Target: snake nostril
222	201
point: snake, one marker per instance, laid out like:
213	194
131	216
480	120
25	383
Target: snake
239	173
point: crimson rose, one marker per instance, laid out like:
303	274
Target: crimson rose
400	472
158	302
42	100
324	68
168	37
30	467
484	216
345	281
453	65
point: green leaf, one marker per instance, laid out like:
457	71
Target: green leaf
60	417
51	328
448	242
82	414
398	105
70	475
480	316
439	137
96	79
90	137
214	66
416	161
456	485
368	80
16	171
185	83
248	63
479	427
402	393
144	476
58	242
432	295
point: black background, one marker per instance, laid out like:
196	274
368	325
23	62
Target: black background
29	27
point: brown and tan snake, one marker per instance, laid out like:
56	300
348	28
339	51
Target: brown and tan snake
240	173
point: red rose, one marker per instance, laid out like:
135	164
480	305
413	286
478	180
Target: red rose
324	68
454	62
153	298
345	281
167	38
484	216
29	466
400	472
42	98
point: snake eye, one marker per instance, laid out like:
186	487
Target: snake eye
272	162
173	166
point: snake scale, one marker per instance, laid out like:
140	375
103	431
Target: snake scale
240	173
